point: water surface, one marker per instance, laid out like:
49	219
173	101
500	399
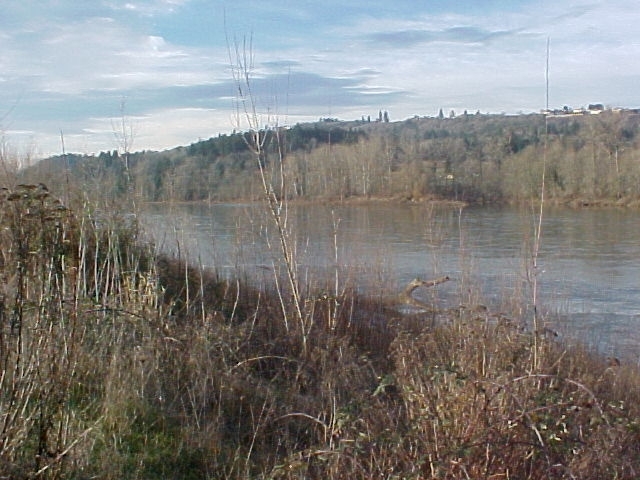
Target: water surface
587	271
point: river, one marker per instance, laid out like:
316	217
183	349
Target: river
587	279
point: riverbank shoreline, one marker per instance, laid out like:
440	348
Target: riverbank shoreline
573	203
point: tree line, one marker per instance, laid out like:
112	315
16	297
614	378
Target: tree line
472	158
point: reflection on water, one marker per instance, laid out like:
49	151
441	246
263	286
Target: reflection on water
587	268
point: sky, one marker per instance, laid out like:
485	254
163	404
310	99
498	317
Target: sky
72	73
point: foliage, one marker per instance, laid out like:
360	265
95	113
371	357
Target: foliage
474	158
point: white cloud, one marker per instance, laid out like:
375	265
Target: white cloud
67	64
147	7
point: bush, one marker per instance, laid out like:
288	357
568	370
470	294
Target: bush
120	364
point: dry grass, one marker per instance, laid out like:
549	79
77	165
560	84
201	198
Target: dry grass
120	364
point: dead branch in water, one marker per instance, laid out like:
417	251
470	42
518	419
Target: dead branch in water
406	296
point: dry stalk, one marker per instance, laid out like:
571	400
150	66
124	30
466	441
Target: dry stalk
538	229
259	140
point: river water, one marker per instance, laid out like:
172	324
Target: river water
585	278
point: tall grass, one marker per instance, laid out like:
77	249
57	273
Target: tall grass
119	363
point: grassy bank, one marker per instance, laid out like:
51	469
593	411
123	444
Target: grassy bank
119	363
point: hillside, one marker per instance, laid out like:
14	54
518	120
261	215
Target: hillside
474	158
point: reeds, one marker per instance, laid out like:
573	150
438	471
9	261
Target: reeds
110	369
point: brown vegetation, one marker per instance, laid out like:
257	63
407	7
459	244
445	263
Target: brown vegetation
120	364
591	159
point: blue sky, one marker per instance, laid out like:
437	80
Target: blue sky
69	66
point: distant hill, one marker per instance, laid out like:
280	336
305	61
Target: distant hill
474	158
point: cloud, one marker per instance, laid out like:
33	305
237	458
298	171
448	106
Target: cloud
306	93
146	7
455	34
96	53
280	65
68	65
